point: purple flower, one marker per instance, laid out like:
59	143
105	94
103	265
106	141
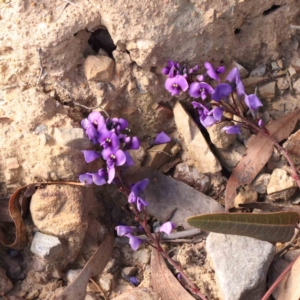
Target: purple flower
129	160
140	203
162	138
232	129
167	227
208	117
113	158
222	91
111	143
86	178
104	137
235	81
123	230
176	84
134	241
200	78
130	142
252	102
170	69
134	280
194	69
137	189
90	155
201	89
260	123
97	178
116	125
94	123
212	72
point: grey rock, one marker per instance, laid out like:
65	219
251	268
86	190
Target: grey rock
274	66
164	194
99	68
72	137
260	183
192	177
259	71
5	283
267	91
72	274
219	137
241	265
45	246
198	150
229	158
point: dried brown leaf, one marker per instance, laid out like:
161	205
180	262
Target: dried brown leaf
14	209
95	266
259	151
164	282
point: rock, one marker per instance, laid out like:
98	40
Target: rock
229	260
295	63
192	177
157	156
90	296
99	68
292	72
105	282
258	71
138	294
251	83
260	183
245	196
197	148
138	157
267	91
229	158
274	66
292	145
296	86
59	210
5	283
280	181
32	295
282	83
285	103
72	137
219	137
243	72
165	193
72	274
141	256
129	271
45	246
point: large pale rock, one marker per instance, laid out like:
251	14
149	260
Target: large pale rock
60	210
197	148
296	86
219	137
292	145
267	91
99	68
240	278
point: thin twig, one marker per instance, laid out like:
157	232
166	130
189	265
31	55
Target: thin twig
288	245
98	287
159	151
278	280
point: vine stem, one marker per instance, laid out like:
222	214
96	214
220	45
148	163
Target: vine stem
155	240
278	146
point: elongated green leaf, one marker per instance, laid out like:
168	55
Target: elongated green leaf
272	227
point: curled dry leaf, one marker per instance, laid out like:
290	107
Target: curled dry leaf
163	281
272	227
15	209
259	151
95	266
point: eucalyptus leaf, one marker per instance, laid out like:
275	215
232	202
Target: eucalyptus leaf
272	227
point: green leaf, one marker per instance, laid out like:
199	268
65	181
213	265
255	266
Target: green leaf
272	227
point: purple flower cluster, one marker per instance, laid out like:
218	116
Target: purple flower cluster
114	143
179	80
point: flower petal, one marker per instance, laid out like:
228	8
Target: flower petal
134	241
194	90
86	178
217	113
232	129
111	174
129	160
123	230
162	138
222	90
253	102
139	186
90	155
167	227
141	203
120	158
